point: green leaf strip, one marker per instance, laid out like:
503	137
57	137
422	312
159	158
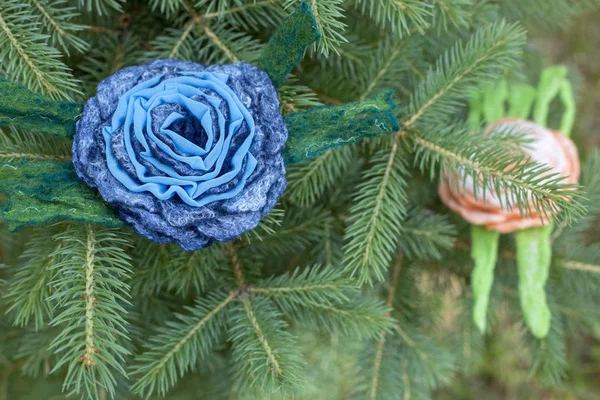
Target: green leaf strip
43	191
534	256
287	46
484	251
30	111
314	131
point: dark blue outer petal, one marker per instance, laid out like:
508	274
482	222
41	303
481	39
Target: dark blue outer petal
171	220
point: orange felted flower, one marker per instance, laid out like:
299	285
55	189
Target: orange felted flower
548	147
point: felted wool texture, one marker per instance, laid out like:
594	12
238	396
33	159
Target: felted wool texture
44	191
30	111
171	219
287	46
322	128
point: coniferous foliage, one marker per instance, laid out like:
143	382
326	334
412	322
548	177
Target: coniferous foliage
357	285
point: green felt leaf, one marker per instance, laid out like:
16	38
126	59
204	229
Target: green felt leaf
30	111
42	191
551	80
319	129
534	256
484	251
521	99
22	210
287	46
494	98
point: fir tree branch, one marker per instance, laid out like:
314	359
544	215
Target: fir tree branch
90	287
381	342
57	20
309	180
328	15
28	58
266	356
274	363
395	53
402	16
579	266
29	288
16	145
220	44
236	265
178	348
379	209
315	284
516	180
424	234
189	27
239	9
102	7
486	54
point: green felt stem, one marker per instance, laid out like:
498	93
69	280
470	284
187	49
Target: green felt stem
316	130
42	191
568	99
484	251
534	256
287	46
475	109
494	98
551	82
521	99
30	111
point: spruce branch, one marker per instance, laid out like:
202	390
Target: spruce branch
298	231
16	145
295	97
328	15
514	178
452	14
56	17
379	208
359	317
309	180
28	59
424	234
102	7
266	355
579	266
379	347
181	344
485	56
90	287
250	16
220	44
389	62
315	284
401	16
549	362
547	14
28	291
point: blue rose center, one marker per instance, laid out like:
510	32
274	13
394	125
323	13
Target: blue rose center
187	135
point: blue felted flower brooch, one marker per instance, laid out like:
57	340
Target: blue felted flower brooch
181	152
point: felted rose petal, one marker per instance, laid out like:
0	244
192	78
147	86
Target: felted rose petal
183	152
548	147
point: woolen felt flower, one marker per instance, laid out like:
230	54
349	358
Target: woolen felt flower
183	152
547	147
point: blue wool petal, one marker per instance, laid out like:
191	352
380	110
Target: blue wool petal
188	153
138	110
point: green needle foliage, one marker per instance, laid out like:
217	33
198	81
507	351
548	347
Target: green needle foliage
357	285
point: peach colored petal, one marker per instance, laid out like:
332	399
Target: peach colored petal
553	148
573	170
515	225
